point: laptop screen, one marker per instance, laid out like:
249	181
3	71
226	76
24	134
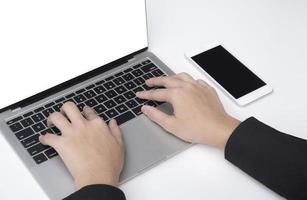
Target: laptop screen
45	43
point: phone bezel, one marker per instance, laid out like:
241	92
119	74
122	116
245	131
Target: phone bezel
242	101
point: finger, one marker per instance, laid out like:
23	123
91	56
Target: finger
115	130
185	77
72	112
159	117
49	140
203	83
89	113
165	81
57	119
156	95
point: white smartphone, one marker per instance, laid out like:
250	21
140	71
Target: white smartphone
231	75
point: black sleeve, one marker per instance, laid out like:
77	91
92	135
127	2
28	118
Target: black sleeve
275	159
97	192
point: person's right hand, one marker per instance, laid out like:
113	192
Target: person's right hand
199	116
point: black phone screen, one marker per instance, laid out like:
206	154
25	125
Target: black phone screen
228	71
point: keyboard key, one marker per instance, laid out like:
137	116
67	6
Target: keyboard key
124	117
16	127
141	101
55	130
121	108
45	122
37	149
27	122
103	116
80	91
120	89
101	98
119	99
137	73
91	103
58	107
39	109
100	89
50	153
60	100
110	94
70	95
28	114
148	76
110	78
146	62
157	73
119	81
99	109
119	74
49	105
100	82
40	158
30	141
80	98
139	81
129	95
150	103
128	77
44	132
131	104
81	106
128	70
110	104
89	94
90	87
38	117
112	113
137	110
148	68
12	121
130	85
69	100
109	85
38	127
137	66
48	111
24	133
138	89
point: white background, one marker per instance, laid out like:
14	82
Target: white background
268	36
44	43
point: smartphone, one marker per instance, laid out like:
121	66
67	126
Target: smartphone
231	75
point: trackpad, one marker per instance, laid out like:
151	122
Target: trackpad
146	143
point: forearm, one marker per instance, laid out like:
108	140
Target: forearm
97	192
275	159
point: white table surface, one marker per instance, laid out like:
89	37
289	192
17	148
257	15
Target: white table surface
269	37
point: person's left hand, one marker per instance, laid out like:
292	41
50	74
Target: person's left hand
92	150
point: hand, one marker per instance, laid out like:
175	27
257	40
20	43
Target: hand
199	116
92	150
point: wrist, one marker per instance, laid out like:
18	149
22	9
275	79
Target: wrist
86	180
228	127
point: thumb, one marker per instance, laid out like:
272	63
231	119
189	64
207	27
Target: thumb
115	131
49	140
159	117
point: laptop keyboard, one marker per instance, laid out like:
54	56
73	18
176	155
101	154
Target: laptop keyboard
112	97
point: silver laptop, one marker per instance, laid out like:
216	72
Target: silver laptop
110	90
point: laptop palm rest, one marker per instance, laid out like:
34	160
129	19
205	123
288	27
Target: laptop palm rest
146	144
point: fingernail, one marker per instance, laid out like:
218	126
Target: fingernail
145	109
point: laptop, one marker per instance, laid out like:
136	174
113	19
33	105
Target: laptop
110	91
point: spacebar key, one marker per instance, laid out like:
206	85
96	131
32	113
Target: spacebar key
124	117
